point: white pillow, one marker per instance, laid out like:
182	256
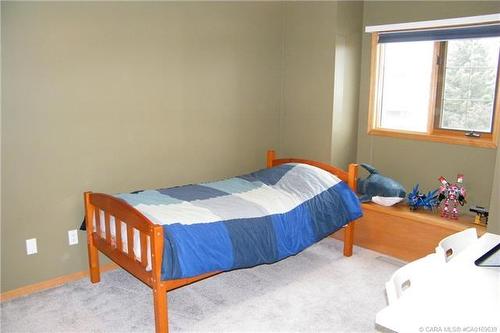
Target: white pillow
386	201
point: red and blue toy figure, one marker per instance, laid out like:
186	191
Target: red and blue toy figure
450	195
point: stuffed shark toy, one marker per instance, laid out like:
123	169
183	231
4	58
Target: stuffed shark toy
376	185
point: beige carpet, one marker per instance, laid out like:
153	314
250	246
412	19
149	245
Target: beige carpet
318	290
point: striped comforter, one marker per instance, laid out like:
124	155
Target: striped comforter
245	221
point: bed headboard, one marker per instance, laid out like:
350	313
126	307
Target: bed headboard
350	177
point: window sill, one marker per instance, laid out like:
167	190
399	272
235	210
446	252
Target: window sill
484	142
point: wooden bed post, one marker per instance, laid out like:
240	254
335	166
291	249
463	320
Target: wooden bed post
159	288
352	181
349	229
271	156
94	272
348	239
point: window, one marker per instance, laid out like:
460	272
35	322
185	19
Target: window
405	79
438	85
467	96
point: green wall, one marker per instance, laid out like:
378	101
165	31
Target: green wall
309	56
494	218
128	95
322	47
117	96
421	162
346	83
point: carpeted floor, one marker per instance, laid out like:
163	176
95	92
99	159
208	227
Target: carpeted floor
318	290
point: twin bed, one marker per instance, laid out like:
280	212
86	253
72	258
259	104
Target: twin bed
172	237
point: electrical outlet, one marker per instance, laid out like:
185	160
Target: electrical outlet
73	237
31	246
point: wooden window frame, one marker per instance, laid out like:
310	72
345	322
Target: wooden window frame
433	133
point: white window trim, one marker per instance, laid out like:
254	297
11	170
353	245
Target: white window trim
468	20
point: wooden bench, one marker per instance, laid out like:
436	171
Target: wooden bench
403	234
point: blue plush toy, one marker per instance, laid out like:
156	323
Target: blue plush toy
377	185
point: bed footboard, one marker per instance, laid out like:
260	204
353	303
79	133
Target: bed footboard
123	234
120	232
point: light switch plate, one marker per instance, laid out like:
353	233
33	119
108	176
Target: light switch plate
73	237
31	247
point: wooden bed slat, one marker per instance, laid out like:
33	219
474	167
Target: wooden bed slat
144	250
118	230
108	227
98	222
130	242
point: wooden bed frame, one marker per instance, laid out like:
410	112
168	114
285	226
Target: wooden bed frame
101	240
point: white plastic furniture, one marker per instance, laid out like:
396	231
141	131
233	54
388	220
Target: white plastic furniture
456	296
408	276
452	245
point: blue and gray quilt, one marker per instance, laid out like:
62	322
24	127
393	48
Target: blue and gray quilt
248	220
